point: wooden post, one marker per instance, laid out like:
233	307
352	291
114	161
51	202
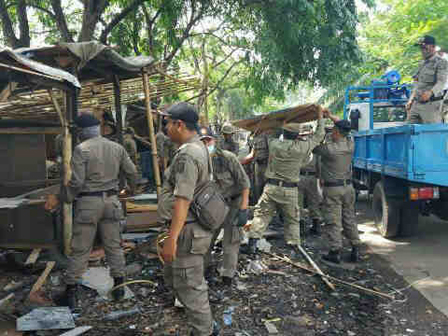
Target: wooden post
152	136
67	208
118	112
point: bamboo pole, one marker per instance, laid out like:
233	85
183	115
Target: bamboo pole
318	270
67	208
155	163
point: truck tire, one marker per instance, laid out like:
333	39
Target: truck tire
409	219
386	212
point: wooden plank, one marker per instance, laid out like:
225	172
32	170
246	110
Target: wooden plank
30	130
141	221
33	256
297	114
39	283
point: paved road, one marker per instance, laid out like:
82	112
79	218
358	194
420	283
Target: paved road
422	260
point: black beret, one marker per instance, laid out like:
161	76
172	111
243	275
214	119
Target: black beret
86	120
343	125
182	111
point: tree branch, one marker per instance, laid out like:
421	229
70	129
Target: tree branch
46	11
61	23
120	16
149	25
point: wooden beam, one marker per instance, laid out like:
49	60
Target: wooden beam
6	92
152	136
33	256
31	130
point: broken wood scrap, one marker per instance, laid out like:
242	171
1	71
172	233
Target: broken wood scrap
342	282
33	256
318	270
39	283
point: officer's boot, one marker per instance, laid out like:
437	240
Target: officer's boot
118	293
354	257
251	247
71	296
227	281
316	228
215	332
333	256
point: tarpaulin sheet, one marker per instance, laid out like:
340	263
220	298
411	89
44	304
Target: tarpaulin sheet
7	54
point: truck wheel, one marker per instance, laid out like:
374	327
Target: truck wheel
386	212
409	219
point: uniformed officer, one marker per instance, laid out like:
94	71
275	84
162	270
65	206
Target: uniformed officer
233	184
424	103
187	243
338	192
130	145
259	154
227	142
286	157
96	164
308	188
165	149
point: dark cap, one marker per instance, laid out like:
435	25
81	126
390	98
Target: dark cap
86	120
182	111
343	125
426	40
206	132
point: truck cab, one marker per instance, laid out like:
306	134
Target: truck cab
404	166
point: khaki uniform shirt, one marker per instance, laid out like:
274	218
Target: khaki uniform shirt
336	159
431	75
231	146
311	166
288	156
184	177
96	164
229	174
131	147
261	148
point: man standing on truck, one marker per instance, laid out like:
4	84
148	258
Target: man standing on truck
338	192
423	106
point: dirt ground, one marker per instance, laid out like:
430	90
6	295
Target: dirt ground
294	301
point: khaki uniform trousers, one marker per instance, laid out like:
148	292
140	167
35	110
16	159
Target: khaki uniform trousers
276	198
428	113
260	179
185	276
308	190
339	214
230	242
94	214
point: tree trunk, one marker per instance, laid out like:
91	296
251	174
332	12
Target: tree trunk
60	21
8	31
93	9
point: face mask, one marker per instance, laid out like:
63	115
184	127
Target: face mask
211	149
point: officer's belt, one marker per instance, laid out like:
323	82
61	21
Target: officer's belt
167	223
231	198
337	183
107	193
307	173
282	183
432	99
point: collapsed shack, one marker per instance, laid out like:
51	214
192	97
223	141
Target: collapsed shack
42	90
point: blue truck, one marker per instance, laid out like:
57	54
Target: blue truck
404	166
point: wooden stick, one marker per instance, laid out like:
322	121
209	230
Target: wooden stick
6	299
42	277
367	290
57	107
33	256
318	270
